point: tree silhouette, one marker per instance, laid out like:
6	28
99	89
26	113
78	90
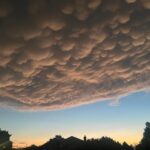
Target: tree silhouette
73	143
126	146
5	143
145	142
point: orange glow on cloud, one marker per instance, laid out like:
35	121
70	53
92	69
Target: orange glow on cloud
59	54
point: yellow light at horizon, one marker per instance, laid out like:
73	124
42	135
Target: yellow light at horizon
121	136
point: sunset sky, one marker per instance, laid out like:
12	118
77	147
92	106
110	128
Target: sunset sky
74	67
123	121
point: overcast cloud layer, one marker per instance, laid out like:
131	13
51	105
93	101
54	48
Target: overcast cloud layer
62	53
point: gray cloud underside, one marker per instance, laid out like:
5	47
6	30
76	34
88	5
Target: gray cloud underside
56	54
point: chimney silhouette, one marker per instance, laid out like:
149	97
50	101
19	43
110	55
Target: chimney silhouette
84	138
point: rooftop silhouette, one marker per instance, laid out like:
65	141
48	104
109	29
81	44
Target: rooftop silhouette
74	143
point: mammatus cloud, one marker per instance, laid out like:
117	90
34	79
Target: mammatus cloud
56	54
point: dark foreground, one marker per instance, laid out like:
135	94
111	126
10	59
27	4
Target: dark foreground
73	143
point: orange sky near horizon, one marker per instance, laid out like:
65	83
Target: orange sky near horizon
124	122
130	137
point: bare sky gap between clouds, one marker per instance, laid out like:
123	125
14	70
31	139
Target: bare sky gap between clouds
58	54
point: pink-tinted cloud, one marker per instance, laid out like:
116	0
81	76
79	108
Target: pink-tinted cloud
56	54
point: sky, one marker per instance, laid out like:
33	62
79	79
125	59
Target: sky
58	54
62	61
123	121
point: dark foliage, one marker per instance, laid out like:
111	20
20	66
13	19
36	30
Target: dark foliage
145	142
73	143
5	143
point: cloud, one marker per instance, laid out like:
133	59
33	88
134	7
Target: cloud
58	54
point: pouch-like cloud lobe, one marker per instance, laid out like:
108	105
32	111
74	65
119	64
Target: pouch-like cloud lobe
61	53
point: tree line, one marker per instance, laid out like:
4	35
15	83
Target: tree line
104	143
